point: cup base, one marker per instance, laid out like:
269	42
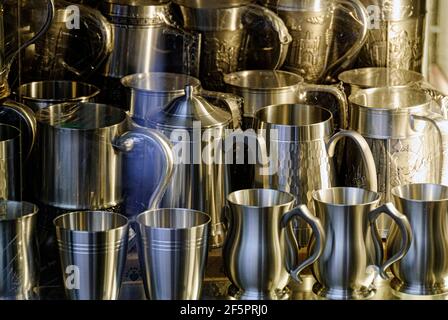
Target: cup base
337	294
418	290
234	293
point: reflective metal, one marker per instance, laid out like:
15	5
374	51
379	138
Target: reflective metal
19	262
304	146
79	153
260	248
231	38
424	269
396	36
10	163
407	140
345	269
316	27
41	94
92	248
173	247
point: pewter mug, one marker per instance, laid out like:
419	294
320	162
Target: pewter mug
346	268
424	269
313	53
92	248
235	36
301	144
173	249
396	37
408	141
79	156
260	249
10	163
19	261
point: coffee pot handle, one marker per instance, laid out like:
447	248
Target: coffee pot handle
367	156
406	232
347	59
126	142
319	233
278	25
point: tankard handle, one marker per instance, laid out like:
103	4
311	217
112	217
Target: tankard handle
26	114
229	101
367	156
126	142
319	233
284	37
441	126
348	58
406	232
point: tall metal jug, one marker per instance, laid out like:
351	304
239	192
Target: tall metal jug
196	128
396	34
318	28
408	141
236	35
301	144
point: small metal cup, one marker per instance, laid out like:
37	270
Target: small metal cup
10	163
172	246
41	94
19	261
92	248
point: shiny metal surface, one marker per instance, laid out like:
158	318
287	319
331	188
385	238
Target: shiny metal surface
150	92
173	247
79	153
397	40
92	247
407	140
305	145
41	94
346	268
200	181
260	248
314	29
147	39
10	163
424	269
227	43
19	261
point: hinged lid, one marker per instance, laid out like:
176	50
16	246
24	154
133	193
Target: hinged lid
139	12
185	110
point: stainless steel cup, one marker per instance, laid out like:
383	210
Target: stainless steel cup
349	217
172	245
38	95
19	261
92	248
10	163
259	250
424	269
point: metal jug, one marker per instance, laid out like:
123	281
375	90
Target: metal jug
349	217
396	35
200	182
236	35
424	269
301	144
260	249
318	28
408	141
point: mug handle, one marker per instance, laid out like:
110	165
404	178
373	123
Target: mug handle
303	212
27	115
284	37
126	142
367	156
348	58
406	232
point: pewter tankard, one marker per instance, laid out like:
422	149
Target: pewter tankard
313	54
305	146
259	250
408	141
424	269
396	36
236	35
349	217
